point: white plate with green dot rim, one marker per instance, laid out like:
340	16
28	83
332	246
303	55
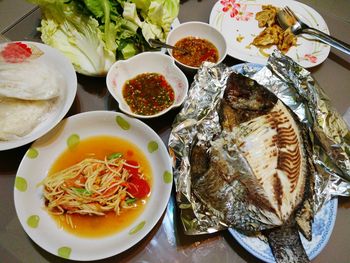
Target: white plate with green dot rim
39	158
236	21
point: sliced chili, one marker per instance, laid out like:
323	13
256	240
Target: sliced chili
148	94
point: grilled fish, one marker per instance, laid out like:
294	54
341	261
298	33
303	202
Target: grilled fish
255	175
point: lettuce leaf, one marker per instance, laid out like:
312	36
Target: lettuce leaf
156	16
102	9
130	13
94	33
171	11
78	37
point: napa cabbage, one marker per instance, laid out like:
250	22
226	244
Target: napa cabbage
93	34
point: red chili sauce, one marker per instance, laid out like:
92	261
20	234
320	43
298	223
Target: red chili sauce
148	94
200	50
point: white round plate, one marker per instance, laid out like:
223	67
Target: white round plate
244	26
322	228
39	158
61	64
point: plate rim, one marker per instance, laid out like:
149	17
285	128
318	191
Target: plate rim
147	228
313	253
71	91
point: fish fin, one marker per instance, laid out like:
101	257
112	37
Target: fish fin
286	244
199	160
305	215
228	118
304	218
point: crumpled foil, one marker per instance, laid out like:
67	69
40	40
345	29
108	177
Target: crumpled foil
292	84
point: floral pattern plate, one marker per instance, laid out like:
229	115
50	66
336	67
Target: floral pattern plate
322	228
235	19
29	202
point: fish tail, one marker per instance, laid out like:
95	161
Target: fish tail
286	244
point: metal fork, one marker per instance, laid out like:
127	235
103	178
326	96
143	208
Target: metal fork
288	19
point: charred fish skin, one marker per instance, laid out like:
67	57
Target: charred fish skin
221	192
255	174
286	244
272	146
283	168
247	194
243	100
243	93
199	160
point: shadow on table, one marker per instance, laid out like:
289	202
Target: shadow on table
339	60
161	125
93	85
10	159
344	202
194	242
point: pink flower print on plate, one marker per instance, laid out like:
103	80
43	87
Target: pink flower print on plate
243	15
230	6
310	58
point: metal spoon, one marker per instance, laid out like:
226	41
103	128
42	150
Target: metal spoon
287	19
157	43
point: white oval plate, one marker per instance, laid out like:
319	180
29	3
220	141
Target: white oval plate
307	53
61	64
39	158
322	228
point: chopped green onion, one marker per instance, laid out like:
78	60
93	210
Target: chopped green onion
81	191
114	156
130	200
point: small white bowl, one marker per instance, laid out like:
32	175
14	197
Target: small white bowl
200	30
147	62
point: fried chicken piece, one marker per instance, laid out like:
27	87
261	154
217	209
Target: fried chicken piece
288	40
269	36
273	34
267	16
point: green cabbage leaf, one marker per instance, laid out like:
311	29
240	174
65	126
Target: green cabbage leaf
93	34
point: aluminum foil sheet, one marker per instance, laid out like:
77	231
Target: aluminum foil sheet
199	121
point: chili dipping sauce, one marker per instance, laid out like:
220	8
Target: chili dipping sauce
148	93
200	50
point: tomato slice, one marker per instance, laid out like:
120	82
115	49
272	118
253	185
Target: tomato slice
16	52
138	187
132	170
74	181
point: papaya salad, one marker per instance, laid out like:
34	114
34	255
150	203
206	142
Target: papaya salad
95	187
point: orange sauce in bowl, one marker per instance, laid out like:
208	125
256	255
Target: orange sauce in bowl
199	50
148	93
93	226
